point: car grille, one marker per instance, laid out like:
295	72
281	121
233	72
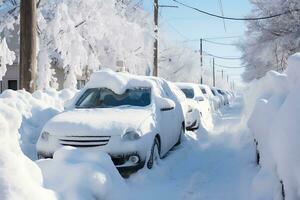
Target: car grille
84	141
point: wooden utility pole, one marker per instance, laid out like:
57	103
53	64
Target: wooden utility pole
201	61
27	69
214	73
155	47
201	53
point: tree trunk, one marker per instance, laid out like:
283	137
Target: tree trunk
27	45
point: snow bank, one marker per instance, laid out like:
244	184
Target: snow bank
20	178
35	110
273	113
76	174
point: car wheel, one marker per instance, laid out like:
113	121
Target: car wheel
155	155
182	132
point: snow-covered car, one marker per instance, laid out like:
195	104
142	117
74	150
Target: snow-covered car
199	111
129	117
182	99
214	101
225	96
218	95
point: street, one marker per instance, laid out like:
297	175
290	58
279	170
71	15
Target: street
216	165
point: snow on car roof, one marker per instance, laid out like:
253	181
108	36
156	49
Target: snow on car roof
118	82
185	85
193	86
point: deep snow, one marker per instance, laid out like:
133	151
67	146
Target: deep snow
216	165
207	165
219	164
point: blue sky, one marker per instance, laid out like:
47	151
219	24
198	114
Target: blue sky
185	24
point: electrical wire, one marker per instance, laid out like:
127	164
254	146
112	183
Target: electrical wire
221	57
228	67
219	43
235	18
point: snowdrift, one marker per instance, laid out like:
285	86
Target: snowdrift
76	174
21	116
273	113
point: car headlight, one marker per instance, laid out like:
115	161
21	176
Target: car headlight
131	135
45	136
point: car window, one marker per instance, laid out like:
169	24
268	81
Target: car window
106	98
203	90
213	92
189	92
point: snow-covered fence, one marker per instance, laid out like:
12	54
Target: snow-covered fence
273	113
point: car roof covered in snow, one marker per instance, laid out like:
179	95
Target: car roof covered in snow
118	82
193	86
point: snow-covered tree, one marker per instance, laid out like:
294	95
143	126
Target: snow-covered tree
87	34
269	42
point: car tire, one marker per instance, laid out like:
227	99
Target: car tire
155	154
182	132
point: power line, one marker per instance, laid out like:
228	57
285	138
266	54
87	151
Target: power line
228	67
224	37
221	57
219	43
235	18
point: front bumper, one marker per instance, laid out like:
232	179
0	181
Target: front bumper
123	153
122	161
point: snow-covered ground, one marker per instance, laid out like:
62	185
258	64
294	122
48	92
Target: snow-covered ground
215	165
219	164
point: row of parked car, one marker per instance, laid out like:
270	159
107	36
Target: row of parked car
135	119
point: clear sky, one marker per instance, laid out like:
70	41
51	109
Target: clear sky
185	24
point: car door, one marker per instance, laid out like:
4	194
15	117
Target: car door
166	123
176	114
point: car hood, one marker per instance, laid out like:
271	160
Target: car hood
95	122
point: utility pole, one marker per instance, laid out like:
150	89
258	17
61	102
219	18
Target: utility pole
155	47
27	71
222	74
201	60
201	53
214	73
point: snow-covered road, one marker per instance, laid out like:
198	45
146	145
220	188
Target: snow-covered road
215	165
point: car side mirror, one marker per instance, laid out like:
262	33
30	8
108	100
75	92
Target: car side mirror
165	104
199	98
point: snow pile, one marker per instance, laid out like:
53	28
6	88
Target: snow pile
76	174
273	112
35	110
118	82
20	178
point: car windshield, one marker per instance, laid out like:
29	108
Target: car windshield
189	93
106	98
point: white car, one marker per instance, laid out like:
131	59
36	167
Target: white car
214	101
129	117
199	112
226	97
218	95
